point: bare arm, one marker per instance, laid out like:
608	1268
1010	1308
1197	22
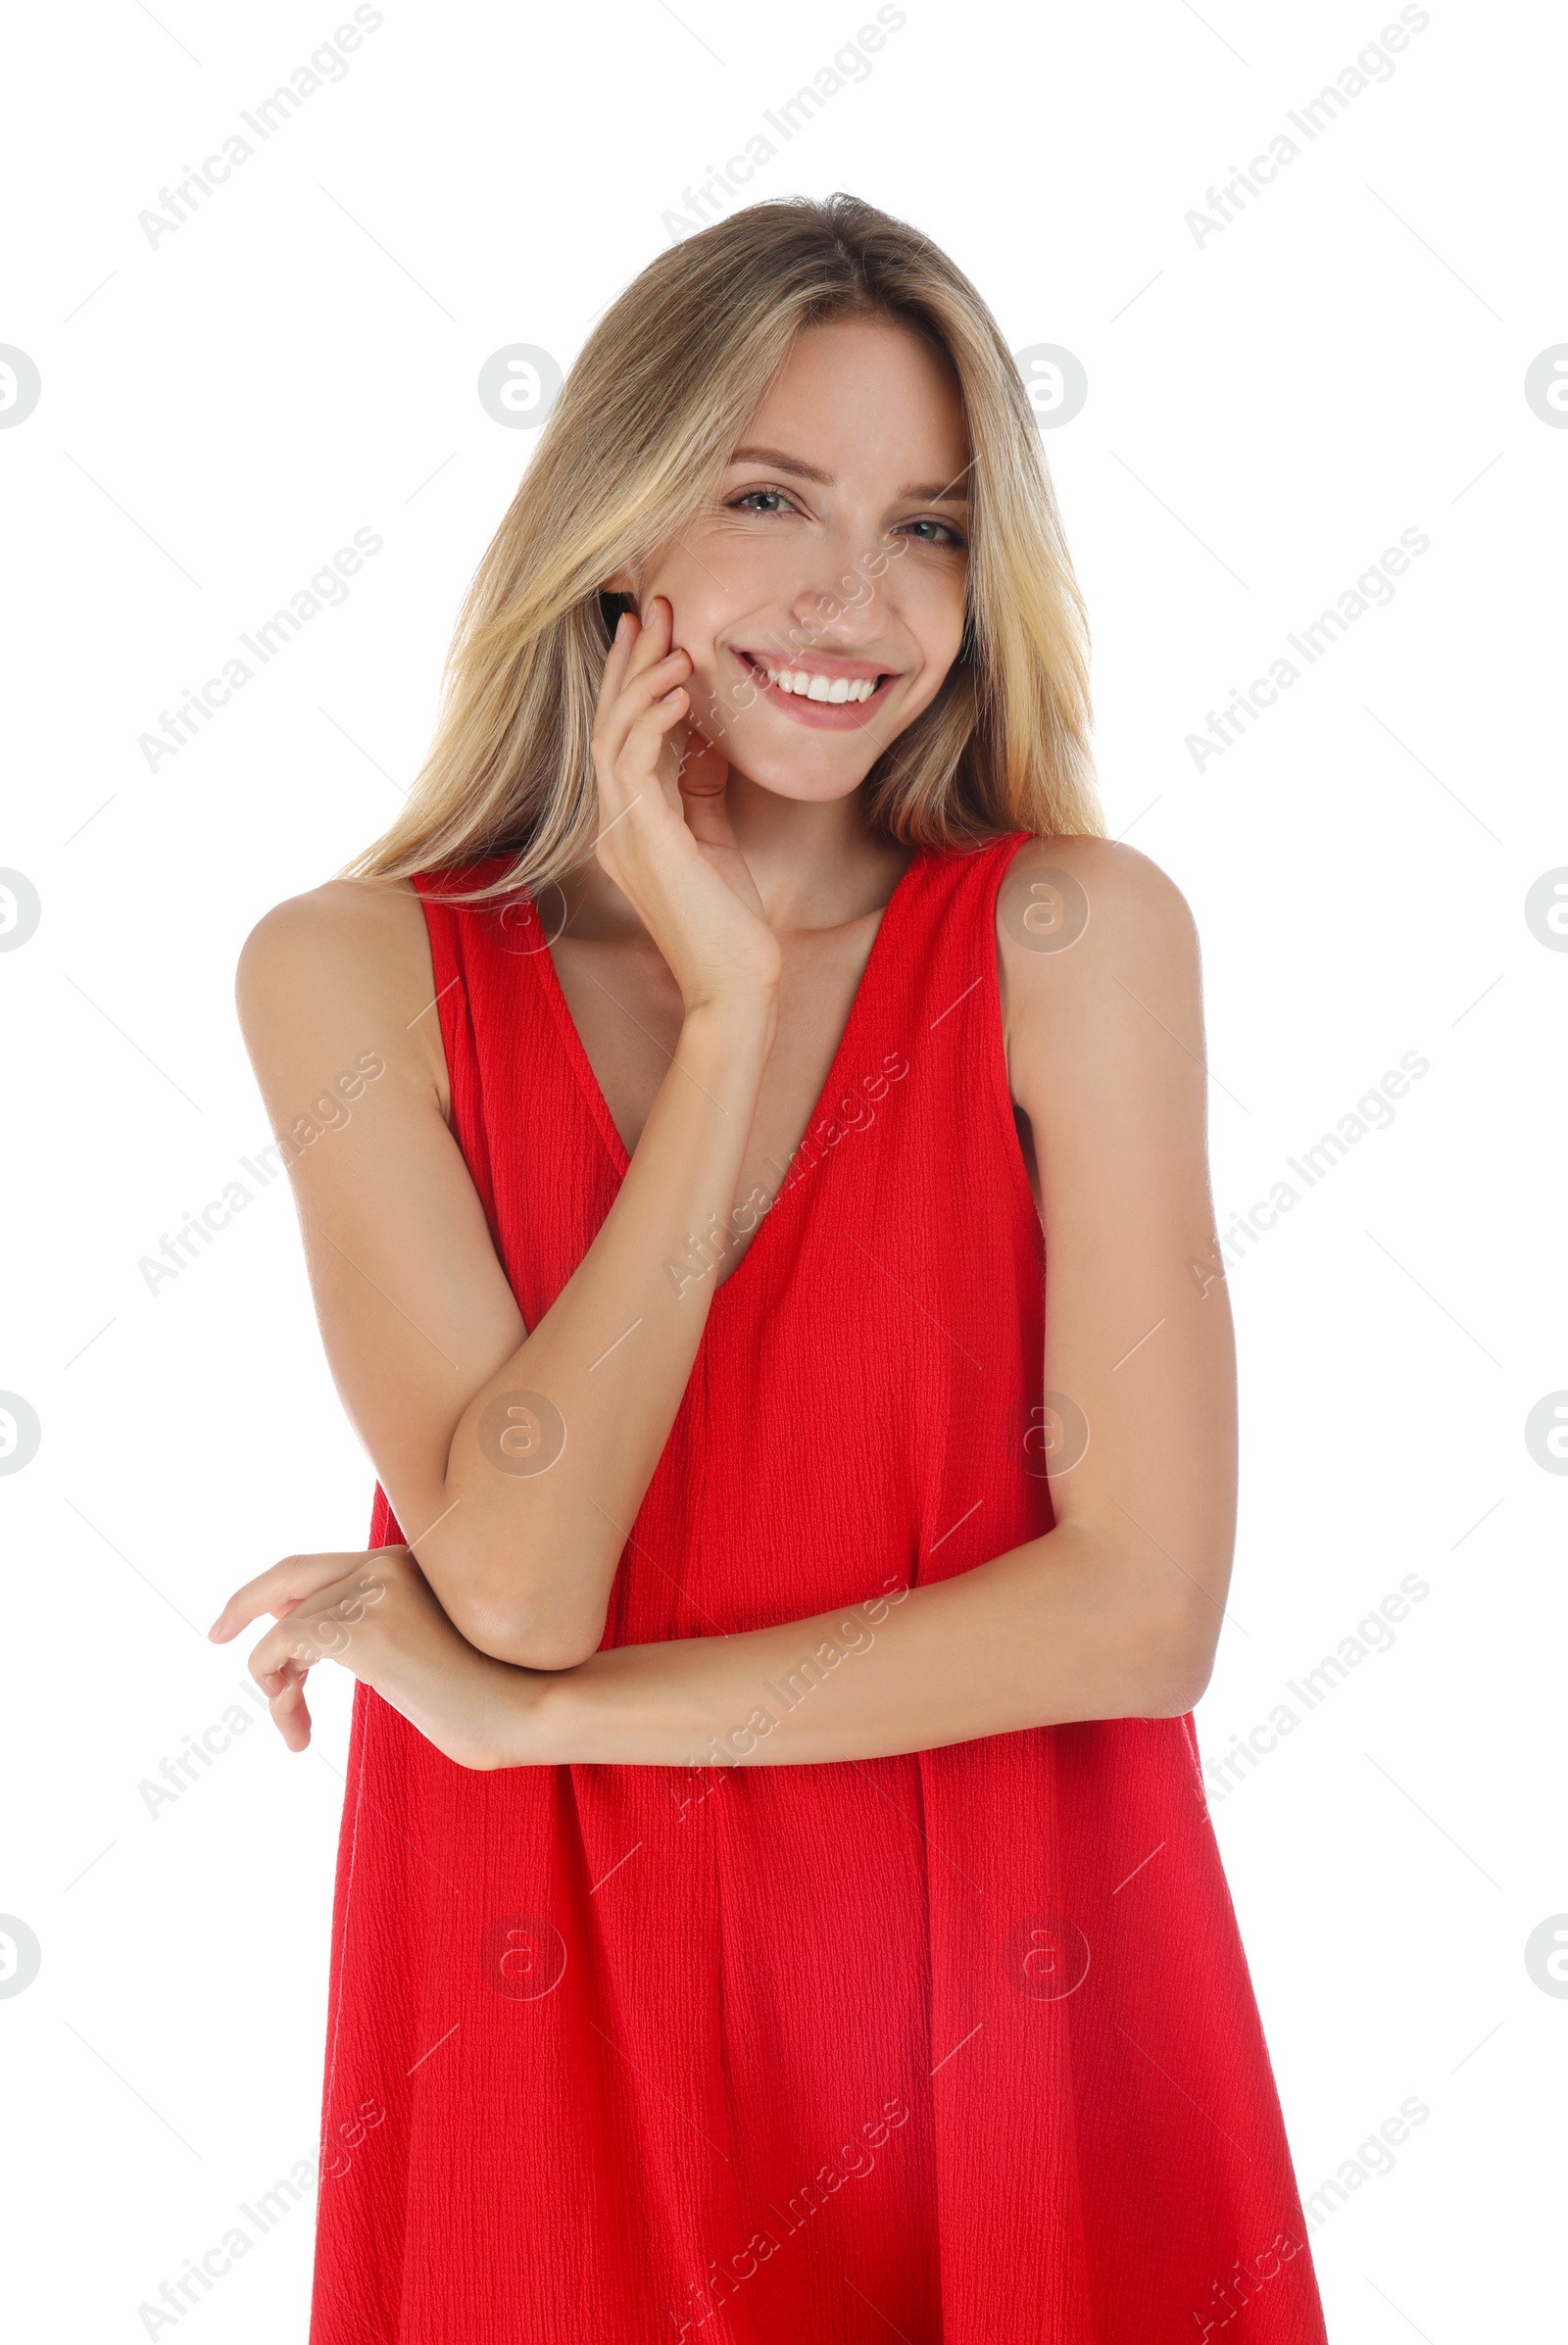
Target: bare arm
1114	1613
515	1460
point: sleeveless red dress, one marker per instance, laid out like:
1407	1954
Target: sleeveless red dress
959	2048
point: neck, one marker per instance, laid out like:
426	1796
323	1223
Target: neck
817	862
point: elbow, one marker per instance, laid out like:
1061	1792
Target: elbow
527	1639
554	1645
1178	1668
1174	1691
1165	1642
539	1602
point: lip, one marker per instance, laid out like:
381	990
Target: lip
826	717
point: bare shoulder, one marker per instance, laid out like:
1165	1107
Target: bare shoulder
1069	905
350	955
1098	956
354	928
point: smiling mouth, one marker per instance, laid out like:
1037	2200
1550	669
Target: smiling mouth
799	683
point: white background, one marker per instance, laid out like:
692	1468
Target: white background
1266	411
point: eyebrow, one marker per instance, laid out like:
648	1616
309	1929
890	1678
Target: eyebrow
781	463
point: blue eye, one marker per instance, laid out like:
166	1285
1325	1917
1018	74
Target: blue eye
765	503
948	535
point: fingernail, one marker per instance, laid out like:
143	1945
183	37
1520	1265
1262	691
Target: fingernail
216	1624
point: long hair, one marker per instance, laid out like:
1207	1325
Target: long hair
646	423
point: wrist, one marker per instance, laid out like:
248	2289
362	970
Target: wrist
725	1044
534	1730
730	1021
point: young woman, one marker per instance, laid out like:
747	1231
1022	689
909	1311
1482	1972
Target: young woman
777	1900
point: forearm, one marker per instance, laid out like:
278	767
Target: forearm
552	1457
1054	1631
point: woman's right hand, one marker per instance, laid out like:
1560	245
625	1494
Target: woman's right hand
664	834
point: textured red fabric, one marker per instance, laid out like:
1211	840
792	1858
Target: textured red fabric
959	2046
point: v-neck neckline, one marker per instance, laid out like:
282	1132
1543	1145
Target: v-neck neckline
599	1106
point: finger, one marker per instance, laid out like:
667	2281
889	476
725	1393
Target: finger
320	1627
291	1715
633	649
656	636
613	723
631	652
284	1689
639	776
278	1591
648	747
657	659
654	684
285	1653
616	659
621	754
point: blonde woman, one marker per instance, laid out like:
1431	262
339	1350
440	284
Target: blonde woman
774	1280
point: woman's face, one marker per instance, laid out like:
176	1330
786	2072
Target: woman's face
821	596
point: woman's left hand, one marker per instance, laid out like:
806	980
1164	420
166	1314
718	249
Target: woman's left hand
376	1615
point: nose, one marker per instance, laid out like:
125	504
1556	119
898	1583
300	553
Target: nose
838	609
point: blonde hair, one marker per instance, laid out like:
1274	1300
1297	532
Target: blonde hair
647	421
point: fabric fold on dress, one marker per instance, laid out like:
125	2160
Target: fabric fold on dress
959	2045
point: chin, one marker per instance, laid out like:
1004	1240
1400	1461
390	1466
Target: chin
803	779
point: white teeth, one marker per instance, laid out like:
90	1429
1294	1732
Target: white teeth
820	688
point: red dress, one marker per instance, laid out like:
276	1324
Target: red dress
955	2047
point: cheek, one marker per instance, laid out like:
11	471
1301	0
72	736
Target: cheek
729	587
932	610
699	619
717	703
